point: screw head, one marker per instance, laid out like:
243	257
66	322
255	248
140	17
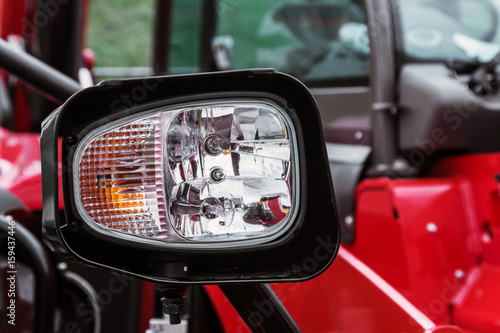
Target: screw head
459	274
62	266
75	225
70	140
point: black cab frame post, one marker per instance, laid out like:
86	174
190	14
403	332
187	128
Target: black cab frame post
161	37
382	83
58	43
208	29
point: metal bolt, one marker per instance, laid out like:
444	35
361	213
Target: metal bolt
174	307
400	164
348	220
174	319
431	227
173	301
358	135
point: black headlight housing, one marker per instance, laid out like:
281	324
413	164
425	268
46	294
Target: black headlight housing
302	250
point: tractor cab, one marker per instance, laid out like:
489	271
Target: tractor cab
426	58
408	96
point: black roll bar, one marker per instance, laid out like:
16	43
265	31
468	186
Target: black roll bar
37	73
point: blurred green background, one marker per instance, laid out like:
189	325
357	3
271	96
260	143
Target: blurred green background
120	31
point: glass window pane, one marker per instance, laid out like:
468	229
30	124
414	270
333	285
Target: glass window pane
323	43
184	42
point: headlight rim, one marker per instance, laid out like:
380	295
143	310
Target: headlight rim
96	129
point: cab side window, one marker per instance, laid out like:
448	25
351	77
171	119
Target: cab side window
184	38
323	43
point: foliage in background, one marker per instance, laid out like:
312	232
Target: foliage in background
120	32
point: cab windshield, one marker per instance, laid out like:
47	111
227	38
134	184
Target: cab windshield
325	43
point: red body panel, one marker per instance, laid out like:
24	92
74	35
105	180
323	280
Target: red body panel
11	17
476	306
348	297
20	168
417	234
147	305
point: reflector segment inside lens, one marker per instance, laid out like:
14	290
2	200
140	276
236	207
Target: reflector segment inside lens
216	172
230	170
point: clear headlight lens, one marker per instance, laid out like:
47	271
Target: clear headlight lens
213	172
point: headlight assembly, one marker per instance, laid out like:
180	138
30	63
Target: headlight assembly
207	178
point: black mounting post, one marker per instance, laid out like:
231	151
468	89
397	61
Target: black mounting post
260	308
